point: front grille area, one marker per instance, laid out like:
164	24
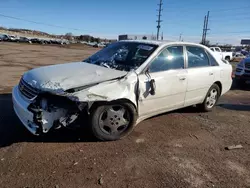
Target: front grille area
27	90
247	65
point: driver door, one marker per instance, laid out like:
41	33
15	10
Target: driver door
168	71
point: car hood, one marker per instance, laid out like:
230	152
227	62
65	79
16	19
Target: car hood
71	75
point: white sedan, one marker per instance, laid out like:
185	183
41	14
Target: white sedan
119	86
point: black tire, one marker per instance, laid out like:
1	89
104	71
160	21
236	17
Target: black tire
204	106
227	58
102	133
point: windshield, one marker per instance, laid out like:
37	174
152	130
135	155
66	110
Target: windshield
123	56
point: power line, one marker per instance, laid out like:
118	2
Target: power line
230	19
225	10
35	22
230	32
185	10
211	18
230	15
159	19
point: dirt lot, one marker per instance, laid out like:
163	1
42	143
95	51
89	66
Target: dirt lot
184	148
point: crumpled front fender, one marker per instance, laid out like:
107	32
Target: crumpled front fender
124	88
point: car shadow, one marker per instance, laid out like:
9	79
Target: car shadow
237	107
12	130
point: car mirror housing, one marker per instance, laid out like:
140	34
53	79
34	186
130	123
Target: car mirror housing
152	87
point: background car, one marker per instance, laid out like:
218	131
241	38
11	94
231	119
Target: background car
223	55
238	57
24	40
4	37
13	38
242	73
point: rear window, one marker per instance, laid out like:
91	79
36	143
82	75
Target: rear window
212	60
197	57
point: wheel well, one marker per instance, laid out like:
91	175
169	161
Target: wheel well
98	103
218	83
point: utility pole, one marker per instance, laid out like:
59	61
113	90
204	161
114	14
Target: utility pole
203	34
205	29
159	19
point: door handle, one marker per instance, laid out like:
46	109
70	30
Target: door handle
182	78
211	74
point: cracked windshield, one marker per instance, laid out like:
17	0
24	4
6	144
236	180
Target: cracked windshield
123	55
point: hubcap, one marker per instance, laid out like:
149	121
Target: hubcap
211	98
114	120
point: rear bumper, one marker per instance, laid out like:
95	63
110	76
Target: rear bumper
20	106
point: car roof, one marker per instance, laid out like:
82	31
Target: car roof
162	43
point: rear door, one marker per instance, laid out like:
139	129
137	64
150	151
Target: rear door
200	76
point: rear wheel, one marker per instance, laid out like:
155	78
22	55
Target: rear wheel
211	98
113	121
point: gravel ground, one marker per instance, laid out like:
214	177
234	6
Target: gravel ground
184	148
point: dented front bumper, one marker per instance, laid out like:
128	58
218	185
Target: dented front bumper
39	115
20	106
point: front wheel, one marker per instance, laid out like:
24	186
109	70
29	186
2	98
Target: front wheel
113	121
211	99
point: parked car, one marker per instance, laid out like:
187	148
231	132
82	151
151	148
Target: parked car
223	55
245	52
242	73
101	45
35	40
96	45
120	86
4	37
238	57
24	40
13	38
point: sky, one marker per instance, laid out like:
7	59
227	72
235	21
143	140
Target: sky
228	23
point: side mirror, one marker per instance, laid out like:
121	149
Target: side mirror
152	86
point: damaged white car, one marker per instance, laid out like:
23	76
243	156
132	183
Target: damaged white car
119	86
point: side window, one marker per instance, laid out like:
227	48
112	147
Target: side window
170	58
212	60
197	57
